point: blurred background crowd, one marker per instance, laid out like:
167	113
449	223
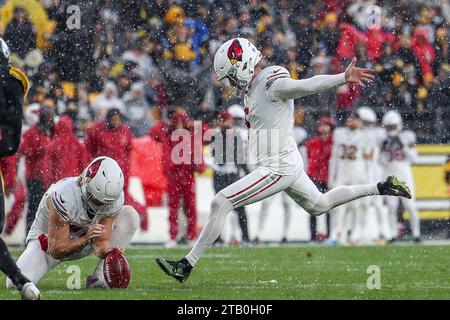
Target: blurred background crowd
135	66
148	57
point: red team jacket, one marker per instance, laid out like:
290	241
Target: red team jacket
162	132
37	163
116	144
67	154
8	167
319	154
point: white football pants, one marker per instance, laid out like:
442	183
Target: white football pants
263	183
35	263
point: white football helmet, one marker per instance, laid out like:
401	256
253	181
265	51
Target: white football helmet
392	121
101	183
367	114
236	111
235	61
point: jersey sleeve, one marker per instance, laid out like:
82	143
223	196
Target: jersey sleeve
368	143
338	133
409	137
63	199
380	136
285	88
300	135
60	203
272	76
409	140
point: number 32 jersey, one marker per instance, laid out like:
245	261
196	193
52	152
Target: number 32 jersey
348	156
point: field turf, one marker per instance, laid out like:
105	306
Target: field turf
300	272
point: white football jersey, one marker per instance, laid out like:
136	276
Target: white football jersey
375	136
66	198
397	154
348	155
272	143
300	135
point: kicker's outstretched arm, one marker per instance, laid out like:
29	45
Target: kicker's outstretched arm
287	88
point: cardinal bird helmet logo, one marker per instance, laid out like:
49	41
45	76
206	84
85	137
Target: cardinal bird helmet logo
235	52
93	169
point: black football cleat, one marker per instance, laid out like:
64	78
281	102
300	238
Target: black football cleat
391	186
180	270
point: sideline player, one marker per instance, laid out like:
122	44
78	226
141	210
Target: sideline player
347	167
269	100
76	217
376	135
397	154
13	88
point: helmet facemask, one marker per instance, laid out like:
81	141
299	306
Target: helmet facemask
393	123
392	130
231	81
89	198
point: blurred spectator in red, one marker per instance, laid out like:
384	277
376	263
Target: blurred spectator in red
180	177
37	163
15	192
350	36
68	156
424	52
376	38
318	149
112	138
337	5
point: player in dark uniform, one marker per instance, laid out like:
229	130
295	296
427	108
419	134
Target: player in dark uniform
13	88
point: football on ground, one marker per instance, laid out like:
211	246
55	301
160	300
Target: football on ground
116	270
403	271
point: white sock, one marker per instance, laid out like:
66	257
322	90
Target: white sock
287	217
265	204
343	194
220	207
98	274
414	218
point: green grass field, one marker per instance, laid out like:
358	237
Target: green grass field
301	272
